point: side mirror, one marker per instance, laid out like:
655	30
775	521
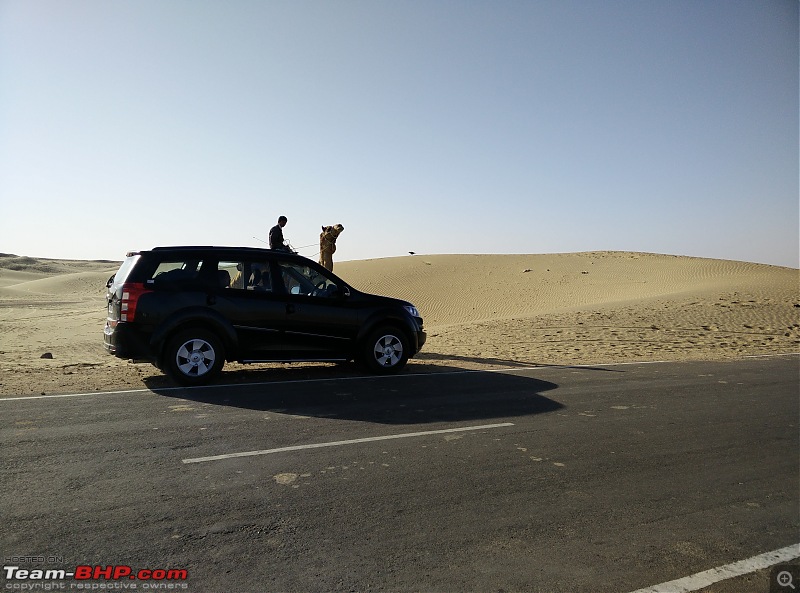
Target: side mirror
110	281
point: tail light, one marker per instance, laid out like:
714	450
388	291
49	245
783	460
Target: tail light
131	292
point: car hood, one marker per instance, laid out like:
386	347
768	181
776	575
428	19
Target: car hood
385	300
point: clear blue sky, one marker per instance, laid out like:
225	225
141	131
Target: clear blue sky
434	126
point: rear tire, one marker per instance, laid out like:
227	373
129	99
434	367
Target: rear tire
194	357
385	351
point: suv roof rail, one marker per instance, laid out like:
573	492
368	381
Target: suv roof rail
207	247
191	247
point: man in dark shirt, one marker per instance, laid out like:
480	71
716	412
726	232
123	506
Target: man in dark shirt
276	235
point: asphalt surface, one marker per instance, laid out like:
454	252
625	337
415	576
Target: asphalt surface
558	479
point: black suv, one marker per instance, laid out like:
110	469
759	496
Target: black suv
189	309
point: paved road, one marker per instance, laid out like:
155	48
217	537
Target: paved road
608	478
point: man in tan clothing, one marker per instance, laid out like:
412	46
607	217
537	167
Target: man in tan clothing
327	245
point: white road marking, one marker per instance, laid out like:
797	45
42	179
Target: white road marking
63	395
340	443
729	571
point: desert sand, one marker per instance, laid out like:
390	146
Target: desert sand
481	312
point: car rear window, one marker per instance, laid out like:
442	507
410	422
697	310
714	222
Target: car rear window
125	269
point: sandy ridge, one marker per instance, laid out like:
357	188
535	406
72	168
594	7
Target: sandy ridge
467	288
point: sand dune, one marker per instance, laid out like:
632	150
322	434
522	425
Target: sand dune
481	311
467	288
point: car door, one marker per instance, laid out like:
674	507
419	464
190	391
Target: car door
320	321
245	297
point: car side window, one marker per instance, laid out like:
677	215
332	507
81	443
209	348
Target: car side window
304	280
260	279
249	275
175	272
227	273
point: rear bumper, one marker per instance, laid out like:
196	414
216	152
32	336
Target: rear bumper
126	341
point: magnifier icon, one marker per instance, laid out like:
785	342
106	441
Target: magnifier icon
785	579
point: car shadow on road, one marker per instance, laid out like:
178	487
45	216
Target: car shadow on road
406	398
504	362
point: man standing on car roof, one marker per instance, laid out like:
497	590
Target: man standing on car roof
276	235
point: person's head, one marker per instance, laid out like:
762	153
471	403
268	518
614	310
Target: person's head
282	220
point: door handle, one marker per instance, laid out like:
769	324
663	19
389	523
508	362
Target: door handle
211	299
290	309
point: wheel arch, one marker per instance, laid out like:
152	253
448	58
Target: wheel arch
200	319
378	320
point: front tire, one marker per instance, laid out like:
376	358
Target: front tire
385	351
194	357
